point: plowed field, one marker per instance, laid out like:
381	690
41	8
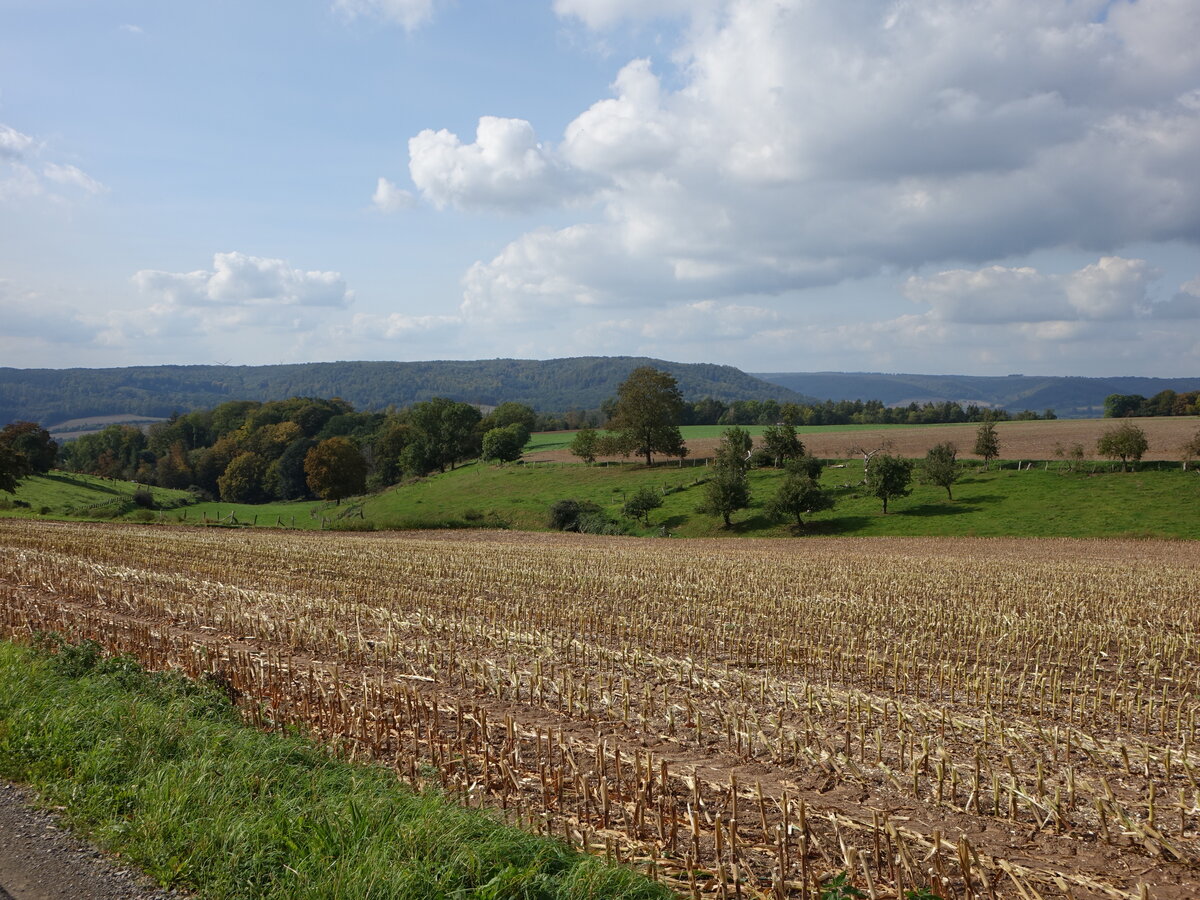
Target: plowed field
974	717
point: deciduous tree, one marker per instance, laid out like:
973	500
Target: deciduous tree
941	466
1127	442
335	469
647	413
987	442
889	477
781	442
799	494
586	444
242	480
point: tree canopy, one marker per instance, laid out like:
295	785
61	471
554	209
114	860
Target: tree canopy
889	477
1127	442
941	466
647	414
335	469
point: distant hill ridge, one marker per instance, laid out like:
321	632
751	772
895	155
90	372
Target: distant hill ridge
51	396
1069	397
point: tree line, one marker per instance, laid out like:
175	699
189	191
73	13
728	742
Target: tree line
1164	403
301	448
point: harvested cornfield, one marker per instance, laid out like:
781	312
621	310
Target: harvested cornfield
960	718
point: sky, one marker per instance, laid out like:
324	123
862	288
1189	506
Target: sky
977	187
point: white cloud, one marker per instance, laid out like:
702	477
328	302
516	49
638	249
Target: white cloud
794	145
606	13
239	294
20	177
240	280
1184	305
13	144
409	14
72	176
133	29
389	198
504	169
397	326
1111	289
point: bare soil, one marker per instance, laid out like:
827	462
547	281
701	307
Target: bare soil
1018	440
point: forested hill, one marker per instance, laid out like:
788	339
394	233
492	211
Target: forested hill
1068	397
50	396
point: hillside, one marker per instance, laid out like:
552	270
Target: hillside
50	396
1068	397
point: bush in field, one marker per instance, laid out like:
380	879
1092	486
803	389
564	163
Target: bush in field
641	503
1127	442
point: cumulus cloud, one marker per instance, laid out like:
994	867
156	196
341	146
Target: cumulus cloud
389	198
792	145
238	293
72	176
506	168
1111	289
1184	305
409	14
237	279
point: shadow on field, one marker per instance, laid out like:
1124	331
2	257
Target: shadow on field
926	510
79	482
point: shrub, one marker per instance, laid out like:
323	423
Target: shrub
565	515
143	498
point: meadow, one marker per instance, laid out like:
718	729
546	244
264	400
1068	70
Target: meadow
959	718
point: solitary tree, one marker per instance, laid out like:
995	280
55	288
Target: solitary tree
987	443
641	503
505	444
799	494
781	443
1127	442
889	477
941	466
335	469
727	491
647	413
585	444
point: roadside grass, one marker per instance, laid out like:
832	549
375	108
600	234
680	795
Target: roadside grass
162	771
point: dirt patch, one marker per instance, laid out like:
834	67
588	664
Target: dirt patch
1018	440
40	859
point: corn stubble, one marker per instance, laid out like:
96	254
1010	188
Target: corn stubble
973	718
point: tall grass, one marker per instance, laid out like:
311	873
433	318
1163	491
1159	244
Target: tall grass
162	771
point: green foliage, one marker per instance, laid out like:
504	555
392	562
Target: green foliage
242	480
1127	442
510	413
727	491
888	477
161	771
586	444
12	468
987	443
33	446
335	469
781	443
643	501
799	494
570	515
446	435
940	466
839	887
505	443
648	412
734	449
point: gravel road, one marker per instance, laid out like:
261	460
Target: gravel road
40	859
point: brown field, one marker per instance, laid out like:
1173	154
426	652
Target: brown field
995	718
1018	440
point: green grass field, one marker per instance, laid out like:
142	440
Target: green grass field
1047	501
545	441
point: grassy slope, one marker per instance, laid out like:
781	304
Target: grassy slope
560	440
84	496
1035	503
164	773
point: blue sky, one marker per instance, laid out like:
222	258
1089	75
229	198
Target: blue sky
922	186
